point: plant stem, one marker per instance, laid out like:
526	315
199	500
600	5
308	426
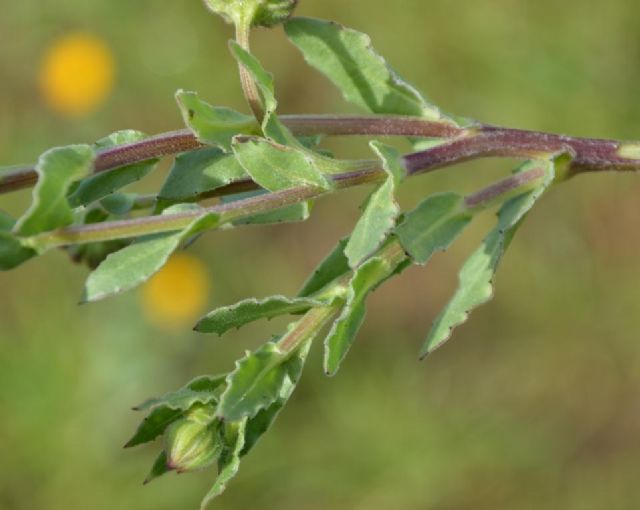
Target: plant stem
307	327
313	321
229	212
251	93
506	188
111	230
480	141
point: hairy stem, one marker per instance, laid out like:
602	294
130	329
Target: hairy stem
240	209
506	188
249	87
480	141
307	327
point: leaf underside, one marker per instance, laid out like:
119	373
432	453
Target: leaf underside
347	58
223	319
135	264
477	275
381	211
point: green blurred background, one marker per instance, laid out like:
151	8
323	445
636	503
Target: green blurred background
536	402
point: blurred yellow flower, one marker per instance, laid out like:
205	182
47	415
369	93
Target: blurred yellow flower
77	74
175	296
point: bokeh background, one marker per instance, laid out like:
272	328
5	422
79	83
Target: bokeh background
536	402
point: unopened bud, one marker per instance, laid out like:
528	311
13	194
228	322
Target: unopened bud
274	12
264	13
192	443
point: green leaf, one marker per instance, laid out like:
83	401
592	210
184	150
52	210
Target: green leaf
212	124
102	184
475	288
347	58
276	167
197	172
476	278
255	384
229	462
343	332
135	264
381	211
12	253
57	170
262	421
200	390
272	127
433	225
154	425
168	408
335	265
228	317
119	204
158	469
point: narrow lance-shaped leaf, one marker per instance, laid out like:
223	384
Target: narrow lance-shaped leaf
228	317
57	170
212	124
255	383
158	469
200	390
229	463
104	183
333	266
272	127
276	167
242	436
381	211
135	264
263	420
166	409
433	225
347	58
477	275
343	332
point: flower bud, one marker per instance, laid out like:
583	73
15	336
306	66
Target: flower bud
264	13
274	12
192	442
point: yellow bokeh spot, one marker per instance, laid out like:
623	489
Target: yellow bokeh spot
174	297
77	74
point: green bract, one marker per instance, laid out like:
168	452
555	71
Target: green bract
263	13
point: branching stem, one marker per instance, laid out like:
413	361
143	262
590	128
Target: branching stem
479	141
240	209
